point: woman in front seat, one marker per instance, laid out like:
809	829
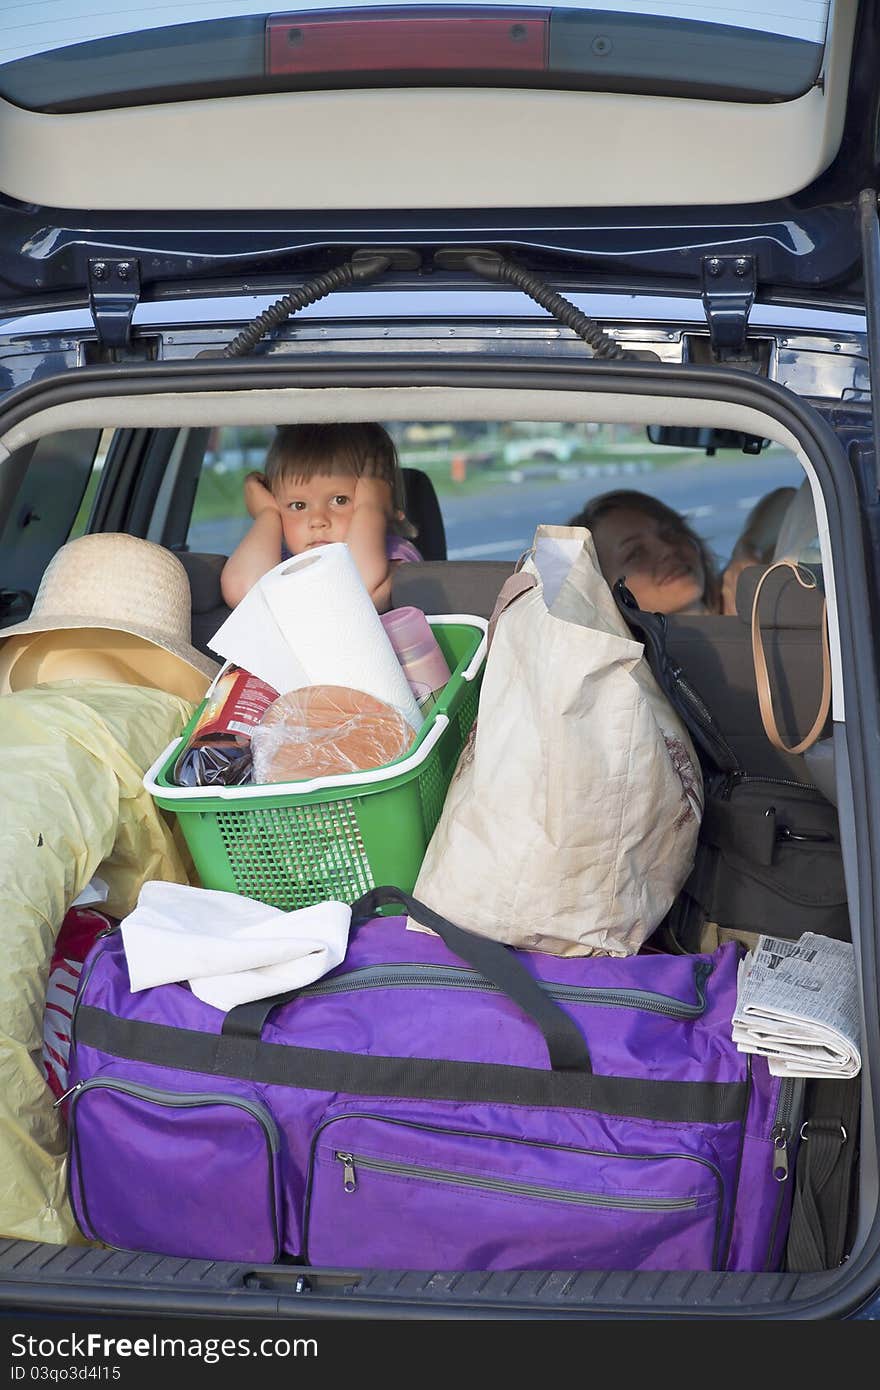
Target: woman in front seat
665	564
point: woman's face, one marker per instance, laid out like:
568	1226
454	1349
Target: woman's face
661	567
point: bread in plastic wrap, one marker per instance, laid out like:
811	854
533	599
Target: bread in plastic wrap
325	730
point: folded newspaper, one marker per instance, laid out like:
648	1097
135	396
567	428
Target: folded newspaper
797	1005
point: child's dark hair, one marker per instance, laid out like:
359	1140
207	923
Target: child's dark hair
355	450
624	499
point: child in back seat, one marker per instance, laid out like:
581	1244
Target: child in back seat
325	483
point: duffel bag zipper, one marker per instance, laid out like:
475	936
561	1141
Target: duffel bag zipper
788	1105
458	977
174	1101
455	977
349	1172
351	1163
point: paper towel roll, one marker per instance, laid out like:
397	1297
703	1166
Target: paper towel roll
311	621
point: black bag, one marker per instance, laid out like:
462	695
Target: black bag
769	860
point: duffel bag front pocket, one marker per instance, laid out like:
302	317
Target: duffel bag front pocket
193	1174
390	1194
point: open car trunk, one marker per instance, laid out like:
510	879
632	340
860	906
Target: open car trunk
86	1279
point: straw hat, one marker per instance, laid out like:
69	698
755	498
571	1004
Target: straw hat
109	607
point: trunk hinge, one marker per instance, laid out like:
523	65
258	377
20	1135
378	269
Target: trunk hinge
114	292
729	285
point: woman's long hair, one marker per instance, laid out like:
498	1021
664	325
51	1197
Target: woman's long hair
623	498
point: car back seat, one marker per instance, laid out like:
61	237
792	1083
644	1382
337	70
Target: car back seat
716	654
454	586
714	651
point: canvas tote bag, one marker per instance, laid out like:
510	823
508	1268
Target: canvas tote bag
571	820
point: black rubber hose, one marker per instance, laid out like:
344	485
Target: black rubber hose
309	293
496	267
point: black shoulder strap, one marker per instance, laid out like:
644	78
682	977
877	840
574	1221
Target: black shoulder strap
715	752
824	1177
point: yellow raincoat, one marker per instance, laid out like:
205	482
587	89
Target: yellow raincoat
73	754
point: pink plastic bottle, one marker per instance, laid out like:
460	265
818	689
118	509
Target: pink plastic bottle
418	653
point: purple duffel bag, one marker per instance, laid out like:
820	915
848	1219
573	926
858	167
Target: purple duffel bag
433	1104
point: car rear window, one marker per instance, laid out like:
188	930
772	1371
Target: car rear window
495	481
64	55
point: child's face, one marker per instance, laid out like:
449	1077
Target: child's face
316	510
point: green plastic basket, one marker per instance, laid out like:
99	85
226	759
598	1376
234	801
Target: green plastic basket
300	843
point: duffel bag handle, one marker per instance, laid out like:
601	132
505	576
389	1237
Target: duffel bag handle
566	1046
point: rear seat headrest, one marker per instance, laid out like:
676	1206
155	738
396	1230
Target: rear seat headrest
204	572
423	510
784	602
208	611
450	586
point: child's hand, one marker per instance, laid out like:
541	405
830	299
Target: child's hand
366	539
374	493
257	497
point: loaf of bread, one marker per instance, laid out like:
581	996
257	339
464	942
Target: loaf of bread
324	730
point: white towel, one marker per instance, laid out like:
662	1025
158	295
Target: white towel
230	949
